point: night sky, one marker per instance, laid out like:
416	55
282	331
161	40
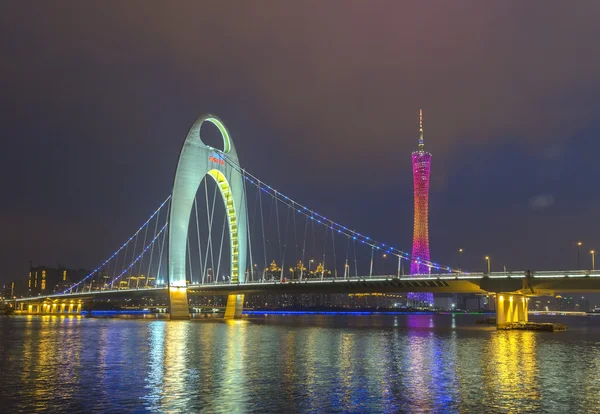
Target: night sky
322	101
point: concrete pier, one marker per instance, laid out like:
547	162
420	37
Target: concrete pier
511	308
235	305
179	308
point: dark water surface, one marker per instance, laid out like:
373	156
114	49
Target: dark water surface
406	363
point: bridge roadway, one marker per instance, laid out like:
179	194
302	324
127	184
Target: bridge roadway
536	284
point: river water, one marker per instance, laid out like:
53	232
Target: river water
288	364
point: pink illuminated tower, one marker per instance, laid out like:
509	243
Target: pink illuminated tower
421	164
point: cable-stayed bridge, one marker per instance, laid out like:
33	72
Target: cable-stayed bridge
225	231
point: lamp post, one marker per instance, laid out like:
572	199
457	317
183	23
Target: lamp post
593	253
487	259
579	244
309	263
460	251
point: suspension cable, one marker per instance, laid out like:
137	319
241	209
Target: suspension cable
221	249
132	256
162	230
334	258
355	260
209	216
142	260
371	269
295	233
287	222
324	250
363	239
303	247
279	249
346	268
198	237
189	254
118	250
262	220
249	234
152	249
162	247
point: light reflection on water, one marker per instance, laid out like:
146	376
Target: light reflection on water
407	363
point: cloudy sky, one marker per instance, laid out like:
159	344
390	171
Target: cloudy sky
322	100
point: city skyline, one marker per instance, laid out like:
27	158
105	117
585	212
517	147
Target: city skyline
100	149
226	206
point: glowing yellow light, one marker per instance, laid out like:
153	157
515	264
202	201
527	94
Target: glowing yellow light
501	297
511	298
227	195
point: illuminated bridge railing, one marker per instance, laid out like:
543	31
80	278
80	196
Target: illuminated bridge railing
328	280
88	293
439	276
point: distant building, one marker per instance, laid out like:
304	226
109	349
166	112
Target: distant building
583	305
571	304
444	301
474	303
462	302
565	303
320	300
561	303
43	280
8	290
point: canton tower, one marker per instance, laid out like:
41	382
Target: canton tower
421	165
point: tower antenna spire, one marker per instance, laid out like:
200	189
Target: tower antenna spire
421	141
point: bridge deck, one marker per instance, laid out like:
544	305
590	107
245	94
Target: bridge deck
539	283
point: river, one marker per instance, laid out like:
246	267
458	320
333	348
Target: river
304	363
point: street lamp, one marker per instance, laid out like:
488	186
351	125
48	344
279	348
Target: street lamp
309	262
579	244
593	253
487	259
460	251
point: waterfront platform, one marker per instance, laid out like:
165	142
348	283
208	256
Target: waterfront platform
533	326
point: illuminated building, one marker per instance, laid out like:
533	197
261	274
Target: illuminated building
8	290
43	280
421	164
570	304
315	301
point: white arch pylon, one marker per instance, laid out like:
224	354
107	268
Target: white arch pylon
197	161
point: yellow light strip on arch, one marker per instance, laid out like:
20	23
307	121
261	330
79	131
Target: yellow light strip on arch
225	190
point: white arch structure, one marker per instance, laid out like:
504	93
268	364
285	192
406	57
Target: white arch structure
197	161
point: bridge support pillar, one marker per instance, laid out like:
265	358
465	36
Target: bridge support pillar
178	301
511	308
235	304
